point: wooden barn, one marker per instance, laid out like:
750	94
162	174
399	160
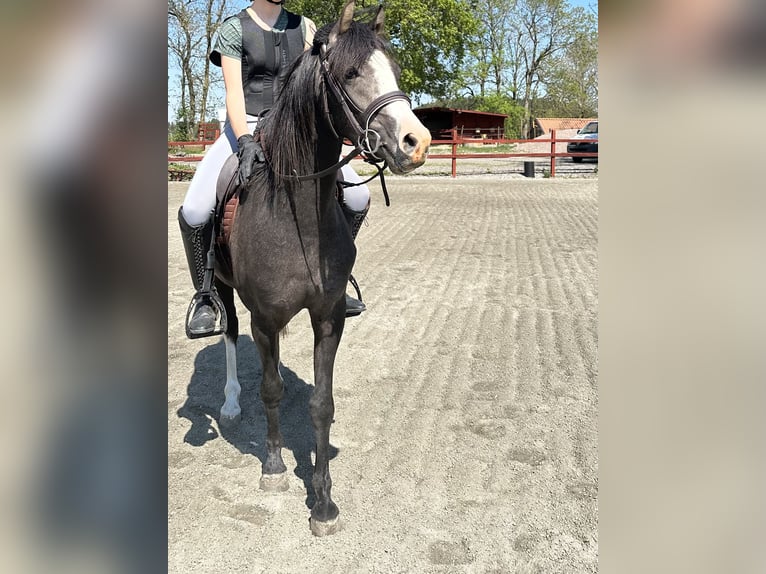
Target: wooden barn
468	123
208	131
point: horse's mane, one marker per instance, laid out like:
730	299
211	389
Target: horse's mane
289	130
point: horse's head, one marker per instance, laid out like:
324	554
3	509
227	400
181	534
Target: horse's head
362	86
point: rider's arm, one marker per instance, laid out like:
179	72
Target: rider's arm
311	29
235	95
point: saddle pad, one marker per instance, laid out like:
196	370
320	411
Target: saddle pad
229	213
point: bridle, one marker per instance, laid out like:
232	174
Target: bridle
356	118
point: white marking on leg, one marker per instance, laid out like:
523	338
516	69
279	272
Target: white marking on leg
230	408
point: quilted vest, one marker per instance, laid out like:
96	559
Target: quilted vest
267	55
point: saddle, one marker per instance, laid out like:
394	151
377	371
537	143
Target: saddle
227	201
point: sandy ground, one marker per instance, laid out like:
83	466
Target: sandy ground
465	433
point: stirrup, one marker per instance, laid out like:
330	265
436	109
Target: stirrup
354	307
358	305
212	299
356	287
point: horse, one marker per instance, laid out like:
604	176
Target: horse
290	246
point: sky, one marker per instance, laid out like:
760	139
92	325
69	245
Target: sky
583	3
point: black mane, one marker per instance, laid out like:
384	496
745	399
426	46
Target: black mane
289	130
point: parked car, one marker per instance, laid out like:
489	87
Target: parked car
586	135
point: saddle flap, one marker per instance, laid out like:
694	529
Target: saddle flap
227	198
227	179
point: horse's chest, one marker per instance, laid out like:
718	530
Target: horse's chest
297	259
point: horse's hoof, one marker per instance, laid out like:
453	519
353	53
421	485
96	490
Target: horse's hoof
274	482
230	421
324	528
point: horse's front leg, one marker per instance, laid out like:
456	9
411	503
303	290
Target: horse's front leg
327	334
274	472
230	411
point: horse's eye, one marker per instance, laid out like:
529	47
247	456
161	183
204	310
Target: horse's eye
352	73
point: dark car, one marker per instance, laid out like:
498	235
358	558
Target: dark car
586	135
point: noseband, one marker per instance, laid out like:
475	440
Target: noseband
358	117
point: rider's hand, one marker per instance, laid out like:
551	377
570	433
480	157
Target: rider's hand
247	153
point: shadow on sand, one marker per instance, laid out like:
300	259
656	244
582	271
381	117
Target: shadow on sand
205	398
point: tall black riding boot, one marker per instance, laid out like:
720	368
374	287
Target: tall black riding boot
206	315
354	219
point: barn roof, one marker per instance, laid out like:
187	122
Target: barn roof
457	111
548	124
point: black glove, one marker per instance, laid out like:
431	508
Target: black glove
249	150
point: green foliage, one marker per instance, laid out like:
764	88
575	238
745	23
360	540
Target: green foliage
428	38
535	51
502	104
488	57
183	128
572	83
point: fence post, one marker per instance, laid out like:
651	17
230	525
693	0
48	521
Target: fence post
454	152
553	153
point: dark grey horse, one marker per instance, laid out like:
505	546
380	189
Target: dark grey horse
290	245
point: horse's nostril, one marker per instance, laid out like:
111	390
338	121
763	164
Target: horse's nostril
410	142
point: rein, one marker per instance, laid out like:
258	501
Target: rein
362	134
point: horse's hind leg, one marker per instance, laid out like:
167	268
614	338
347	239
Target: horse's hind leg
327	333
274	473
230	411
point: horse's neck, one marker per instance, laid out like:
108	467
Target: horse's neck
327	154
313	201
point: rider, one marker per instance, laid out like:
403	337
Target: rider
254	49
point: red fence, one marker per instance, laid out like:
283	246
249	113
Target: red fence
551	154
183	158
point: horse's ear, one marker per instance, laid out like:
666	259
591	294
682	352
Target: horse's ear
377	23
346	16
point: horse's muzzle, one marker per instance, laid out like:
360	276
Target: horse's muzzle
412	151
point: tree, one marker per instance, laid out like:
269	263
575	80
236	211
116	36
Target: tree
427	38
487	58
525	48
183	42
214	13
545	29
572	83
192	25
